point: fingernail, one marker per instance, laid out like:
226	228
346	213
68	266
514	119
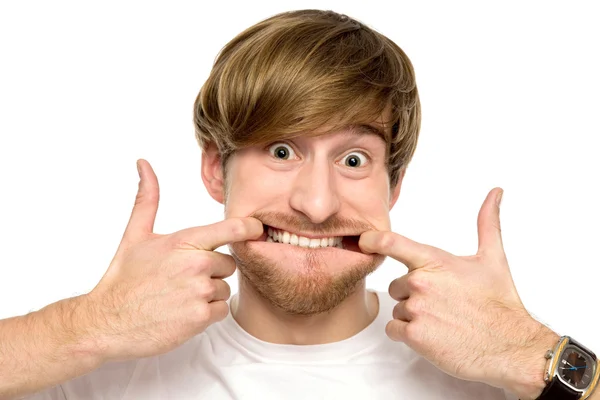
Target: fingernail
499	198
137	163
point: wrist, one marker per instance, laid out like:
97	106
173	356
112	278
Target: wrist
525	378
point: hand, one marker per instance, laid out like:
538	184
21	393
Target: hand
160	290
464	314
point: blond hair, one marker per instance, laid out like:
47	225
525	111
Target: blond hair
297	72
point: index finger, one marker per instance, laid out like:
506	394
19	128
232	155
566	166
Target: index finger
408	252
231	230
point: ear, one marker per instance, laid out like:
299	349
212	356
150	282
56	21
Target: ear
395	193
212	173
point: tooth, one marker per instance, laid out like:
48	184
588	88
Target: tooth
270	231
314	243
339	246
303	241
270	239
324	242
338	240
275	235
294	239
286	237
330	241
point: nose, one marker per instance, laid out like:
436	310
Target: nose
314	192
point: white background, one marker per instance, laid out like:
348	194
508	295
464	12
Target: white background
510	94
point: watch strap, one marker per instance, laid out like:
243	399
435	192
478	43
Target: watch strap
555	390
595	382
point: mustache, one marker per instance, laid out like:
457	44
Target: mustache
330	226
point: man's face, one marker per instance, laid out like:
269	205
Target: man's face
315	196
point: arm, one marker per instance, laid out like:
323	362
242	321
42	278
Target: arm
463	313
159	291
46	347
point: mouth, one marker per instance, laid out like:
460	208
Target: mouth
277	235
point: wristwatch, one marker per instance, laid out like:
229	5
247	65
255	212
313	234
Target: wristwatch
572	371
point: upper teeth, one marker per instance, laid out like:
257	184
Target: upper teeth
275	235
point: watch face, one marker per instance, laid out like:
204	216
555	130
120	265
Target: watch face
576	368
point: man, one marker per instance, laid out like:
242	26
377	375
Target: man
307	124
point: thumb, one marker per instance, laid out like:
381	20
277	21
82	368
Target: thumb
143	215
488	224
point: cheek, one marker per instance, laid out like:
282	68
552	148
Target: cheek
251	189
370	199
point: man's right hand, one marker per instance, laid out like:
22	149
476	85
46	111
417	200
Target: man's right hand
160	290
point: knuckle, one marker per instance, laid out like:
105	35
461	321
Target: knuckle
206	288
413	333
413	306
145	196
203	264
227	290
178	240
140	197
387	241
391	329
398	289
397	311
496	225
193	265
393	288
203	313
436	262
226	263
237	228
230	268
418	282
221	310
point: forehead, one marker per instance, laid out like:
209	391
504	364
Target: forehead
361	126
380	127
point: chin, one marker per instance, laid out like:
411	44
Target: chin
300	280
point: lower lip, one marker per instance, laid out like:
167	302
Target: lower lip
294	258
284	250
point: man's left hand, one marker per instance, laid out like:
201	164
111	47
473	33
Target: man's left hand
464	314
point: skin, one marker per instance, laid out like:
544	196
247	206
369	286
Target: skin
464	313
481	334
160	290
313	193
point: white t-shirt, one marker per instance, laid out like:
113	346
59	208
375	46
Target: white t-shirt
225	362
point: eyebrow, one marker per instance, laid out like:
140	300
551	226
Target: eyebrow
368	130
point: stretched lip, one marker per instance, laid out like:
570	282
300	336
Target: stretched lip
311	235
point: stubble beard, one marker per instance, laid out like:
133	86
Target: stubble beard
311	290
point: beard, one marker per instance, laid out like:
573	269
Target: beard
308	288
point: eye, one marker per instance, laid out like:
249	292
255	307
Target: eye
354	160
282	151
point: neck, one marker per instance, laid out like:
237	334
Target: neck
264	321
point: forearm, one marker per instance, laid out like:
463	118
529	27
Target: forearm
46	347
